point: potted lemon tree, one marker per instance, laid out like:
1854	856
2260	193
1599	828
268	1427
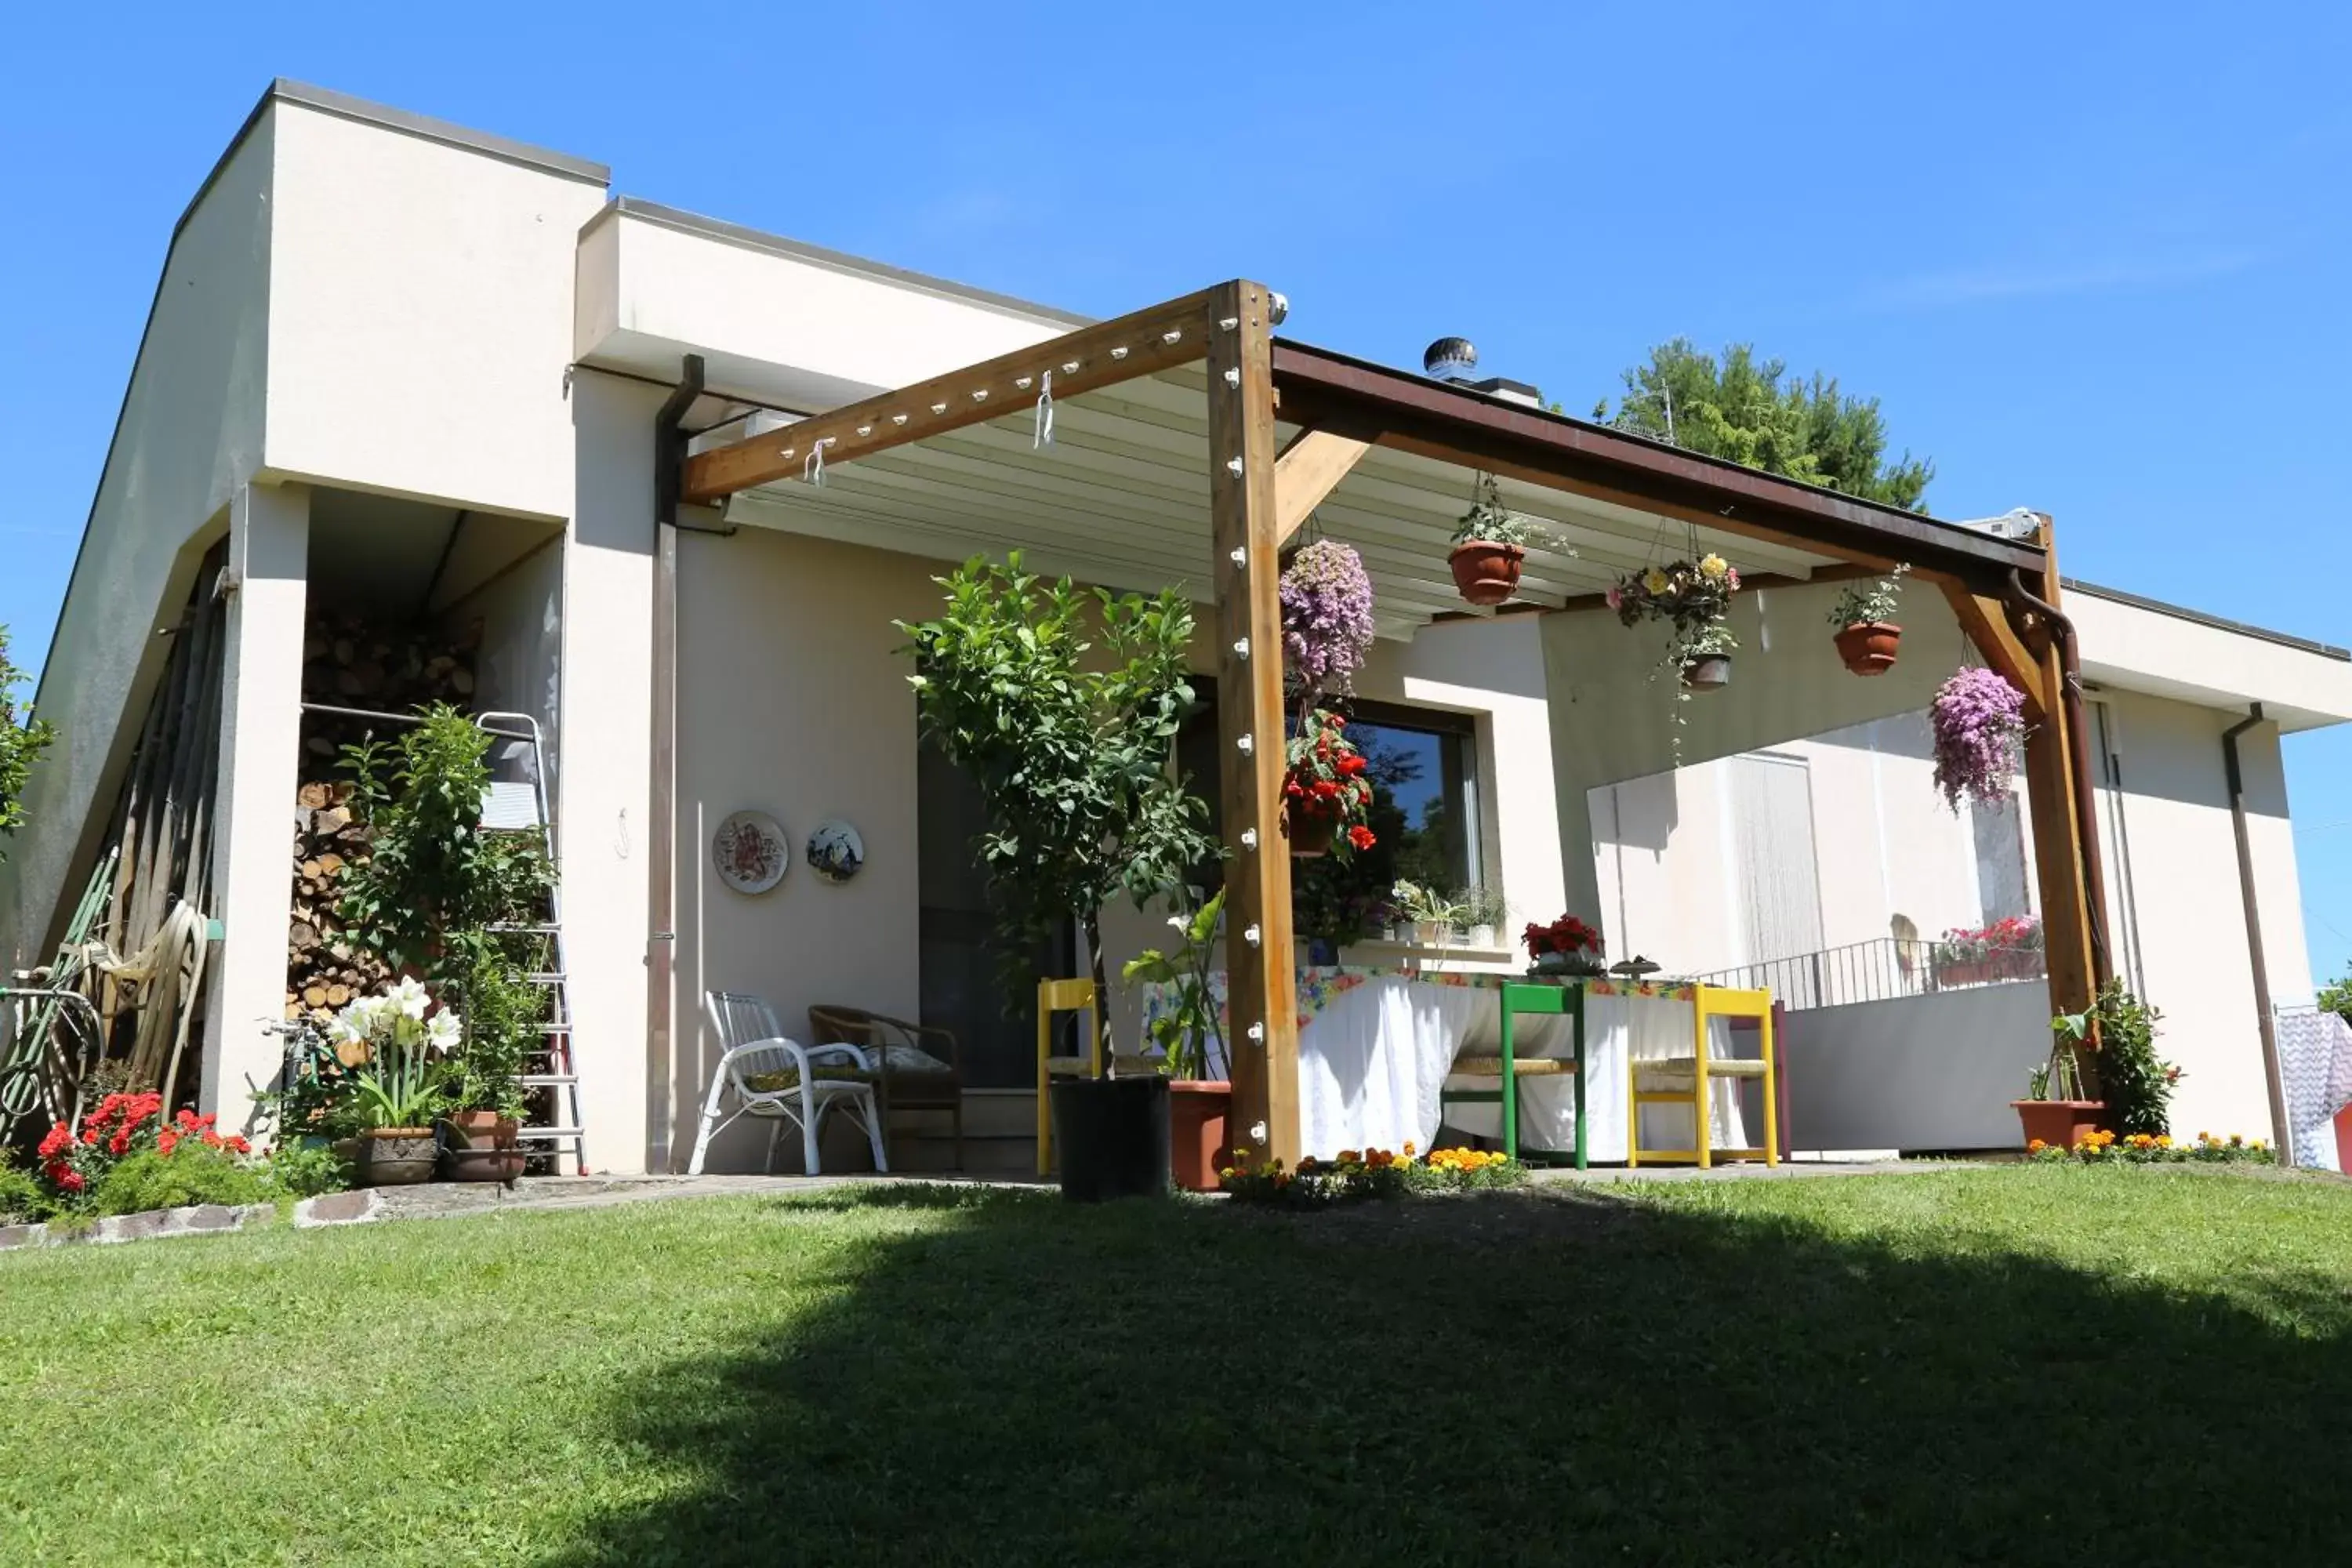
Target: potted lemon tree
1062	706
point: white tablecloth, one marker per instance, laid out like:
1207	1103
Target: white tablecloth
1371	1061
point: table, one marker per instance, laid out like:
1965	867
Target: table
1377	1047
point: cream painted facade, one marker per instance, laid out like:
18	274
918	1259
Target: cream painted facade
359	303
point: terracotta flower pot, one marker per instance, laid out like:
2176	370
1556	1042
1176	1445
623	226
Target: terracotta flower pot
1197	1144
1711	672
2059	1124
1869	648
485	1129
482	1148
397	1156
1487	572
1309	835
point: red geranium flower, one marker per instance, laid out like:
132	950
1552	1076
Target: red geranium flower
1361	837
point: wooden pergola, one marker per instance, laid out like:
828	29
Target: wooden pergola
1288	428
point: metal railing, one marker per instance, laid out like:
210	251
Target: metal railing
1880	971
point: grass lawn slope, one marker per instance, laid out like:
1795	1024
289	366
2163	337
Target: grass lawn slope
2019	1364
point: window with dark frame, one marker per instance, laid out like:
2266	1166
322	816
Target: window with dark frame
1424	772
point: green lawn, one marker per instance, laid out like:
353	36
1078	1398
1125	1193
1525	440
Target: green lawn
2011	1365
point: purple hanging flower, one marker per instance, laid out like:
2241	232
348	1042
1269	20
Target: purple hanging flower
1980	723
1326	617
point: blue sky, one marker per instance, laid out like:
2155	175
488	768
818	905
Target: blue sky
2090	258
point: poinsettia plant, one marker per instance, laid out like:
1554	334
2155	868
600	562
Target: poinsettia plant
1567	934
1326	781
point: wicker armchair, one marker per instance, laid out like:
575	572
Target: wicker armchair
912	1074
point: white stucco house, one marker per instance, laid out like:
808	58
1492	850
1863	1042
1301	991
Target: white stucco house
400	368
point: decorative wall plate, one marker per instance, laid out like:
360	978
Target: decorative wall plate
835	850
751	852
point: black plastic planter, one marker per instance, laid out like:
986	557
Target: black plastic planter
1111	1134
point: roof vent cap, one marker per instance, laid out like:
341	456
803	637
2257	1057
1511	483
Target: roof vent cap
1449	359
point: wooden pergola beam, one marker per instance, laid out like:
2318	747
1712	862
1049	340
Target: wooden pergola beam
1985	620
1309	468
1166	335
1446	425
1262	1039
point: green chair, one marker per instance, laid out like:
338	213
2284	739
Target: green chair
1542	1000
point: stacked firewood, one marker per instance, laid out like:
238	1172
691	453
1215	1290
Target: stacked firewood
325	968
350	663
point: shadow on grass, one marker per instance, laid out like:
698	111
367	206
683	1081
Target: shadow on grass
1515	1378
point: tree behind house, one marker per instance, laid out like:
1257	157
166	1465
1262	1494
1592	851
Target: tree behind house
21	744
1751	412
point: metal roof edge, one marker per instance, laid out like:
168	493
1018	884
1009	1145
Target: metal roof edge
2198	617
342	104
1830	505
838	260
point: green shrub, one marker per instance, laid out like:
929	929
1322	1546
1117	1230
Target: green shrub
306	1170
2136	1082
191	1174
21	1198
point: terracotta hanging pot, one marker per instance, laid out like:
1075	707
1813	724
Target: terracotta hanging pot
1869	648
1485	571
1309	835
1709	672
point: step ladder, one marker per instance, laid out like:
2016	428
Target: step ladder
519	806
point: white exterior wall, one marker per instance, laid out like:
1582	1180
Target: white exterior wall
189	435
2189	911
260	760
1611	722
773	323
791	701
605	788
420	317
519	667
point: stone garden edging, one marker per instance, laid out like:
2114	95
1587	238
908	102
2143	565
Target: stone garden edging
197	1219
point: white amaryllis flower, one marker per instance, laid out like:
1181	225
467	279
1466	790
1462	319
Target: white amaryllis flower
409	996
442	1032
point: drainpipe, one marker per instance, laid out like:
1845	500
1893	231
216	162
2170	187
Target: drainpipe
2078	756
2283	1137
661	832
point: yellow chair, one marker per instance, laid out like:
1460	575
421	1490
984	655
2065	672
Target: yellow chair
1062	997
1686	1080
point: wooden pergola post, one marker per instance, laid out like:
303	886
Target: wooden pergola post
1246	532
2062	847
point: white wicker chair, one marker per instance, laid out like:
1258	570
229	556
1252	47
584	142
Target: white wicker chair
779	1080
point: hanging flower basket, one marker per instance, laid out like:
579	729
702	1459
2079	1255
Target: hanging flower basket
1869	648
1710	672
1309	835
1487	571
1867	637
1979	719
1490	545
1326	617
1325	795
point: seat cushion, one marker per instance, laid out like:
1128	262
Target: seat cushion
790	1079
901	1059
1681	1073
1521	1067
